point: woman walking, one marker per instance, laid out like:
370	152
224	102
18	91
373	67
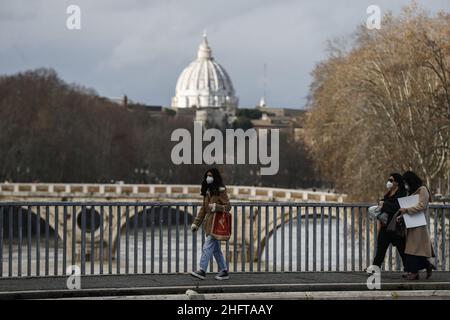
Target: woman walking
418	244
215	199
390	205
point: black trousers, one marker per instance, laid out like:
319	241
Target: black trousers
383	241
416	263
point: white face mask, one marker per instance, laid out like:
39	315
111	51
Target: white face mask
209	179
389	185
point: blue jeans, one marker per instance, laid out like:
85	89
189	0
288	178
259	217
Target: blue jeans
210	248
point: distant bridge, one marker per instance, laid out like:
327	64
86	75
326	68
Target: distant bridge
153	192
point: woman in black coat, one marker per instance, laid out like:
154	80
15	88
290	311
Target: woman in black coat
390	205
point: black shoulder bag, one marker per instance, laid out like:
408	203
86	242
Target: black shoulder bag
397	229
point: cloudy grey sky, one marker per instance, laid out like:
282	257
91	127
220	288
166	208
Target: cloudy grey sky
139	47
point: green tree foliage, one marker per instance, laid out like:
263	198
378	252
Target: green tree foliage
249	113
244	118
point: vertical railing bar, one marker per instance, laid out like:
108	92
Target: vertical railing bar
448	211
29	243
185	236
290	238
144	239
345	239
64	267
10	240
118	236
11	236
306	238
92	229
367	222
338	246
259	240
47	232
322	239
314	238
227	257
38	241
161	235
136	244
56	240
266	244
444	259
436	235
375	237
177	240
74	235
92	243
194	241
299	239
243	240
169	239
360	239
330	237
83	240
152	242
274	236
110	239
235	244
19	227
353	237
102	213
127	239
1	240
227	248
251	258
283	229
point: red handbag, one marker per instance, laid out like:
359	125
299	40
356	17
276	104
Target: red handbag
221	226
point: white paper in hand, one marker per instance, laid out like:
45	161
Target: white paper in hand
412	220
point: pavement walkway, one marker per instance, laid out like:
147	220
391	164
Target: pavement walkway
240	283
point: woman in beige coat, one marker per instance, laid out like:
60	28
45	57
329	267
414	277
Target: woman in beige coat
215	199
418	244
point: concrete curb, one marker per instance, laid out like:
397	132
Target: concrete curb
209	289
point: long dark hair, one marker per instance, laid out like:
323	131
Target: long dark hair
213	187
414	183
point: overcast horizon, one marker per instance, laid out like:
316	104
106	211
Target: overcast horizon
139	48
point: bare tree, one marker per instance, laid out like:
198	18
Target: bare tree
383	105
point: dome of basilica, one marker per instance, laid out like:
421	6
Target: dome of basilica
204	83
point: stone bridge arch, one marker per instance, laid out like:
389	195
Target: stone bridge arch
272	226
24	221
153	212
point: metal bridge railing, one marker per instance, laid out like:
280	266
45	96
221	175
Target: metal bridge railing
43	238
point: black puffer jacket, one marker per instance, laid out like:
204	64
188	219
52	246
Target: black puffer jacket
390	203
